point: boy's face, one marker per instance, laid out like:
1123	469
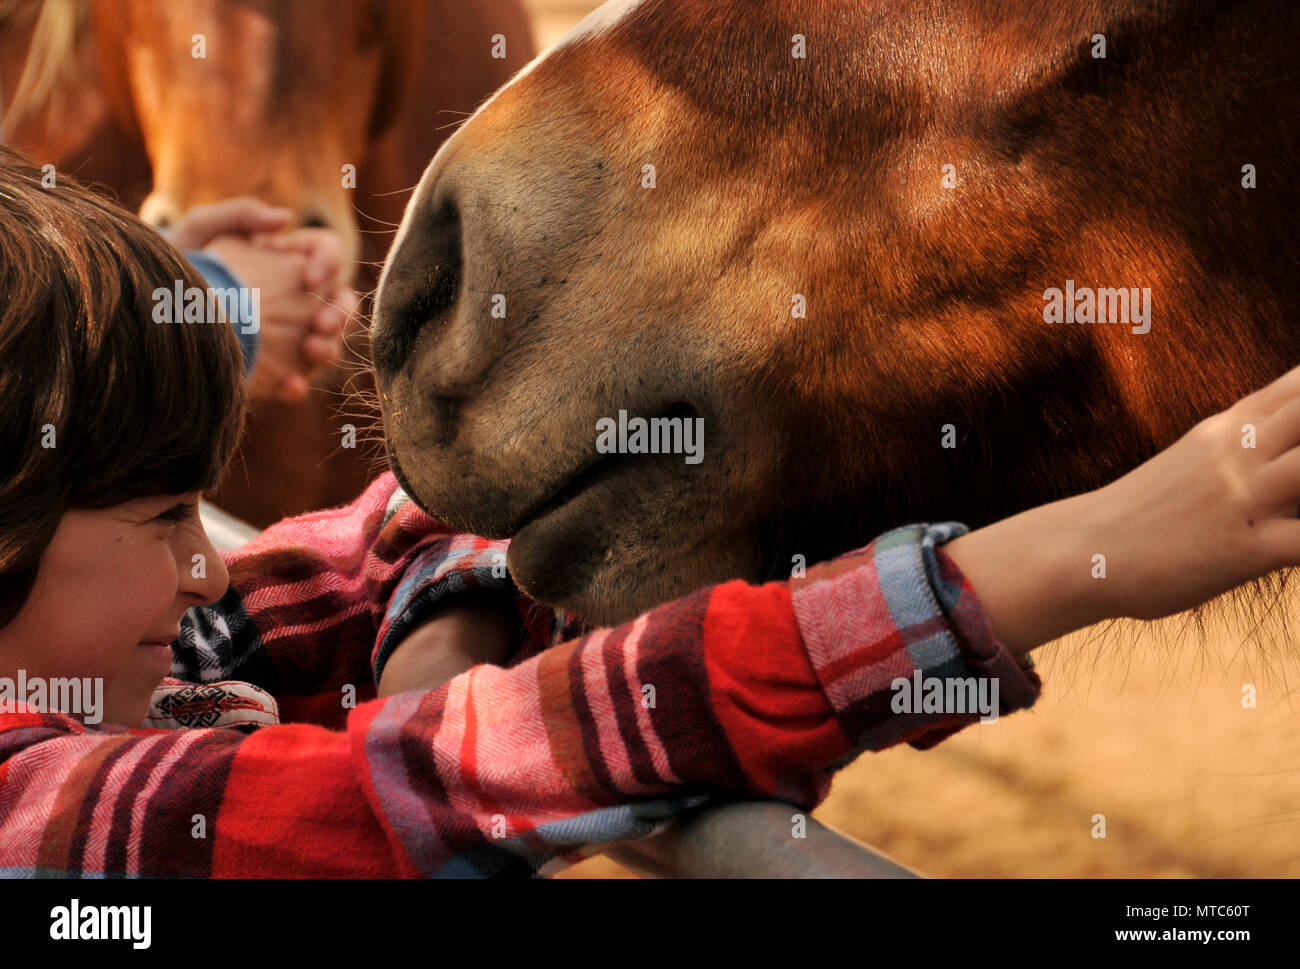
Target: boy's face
109	596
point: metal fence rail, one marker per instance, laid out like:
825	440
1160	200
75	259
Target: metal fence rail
753	839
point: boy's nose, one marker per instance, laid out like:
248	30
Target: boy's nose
203	573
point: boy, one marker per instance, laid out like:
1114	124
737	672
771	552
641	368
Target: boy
114	425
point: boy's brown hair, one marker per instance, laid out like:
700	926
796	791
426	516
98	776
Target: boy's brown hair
132	408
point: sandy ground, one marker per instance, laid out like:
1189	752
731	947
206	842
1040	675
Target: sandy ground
1142	728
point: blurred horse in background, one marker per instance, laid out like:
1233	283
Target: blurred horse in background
331	108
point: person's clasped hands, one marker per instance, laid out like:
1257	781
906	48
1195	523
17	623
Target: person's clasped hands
301	275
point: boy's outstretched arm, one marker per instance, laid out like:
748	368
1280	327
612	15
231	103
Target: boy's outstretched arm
733	689
1209	513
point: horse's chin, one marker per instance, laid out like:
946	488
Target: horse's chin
607	574
628	537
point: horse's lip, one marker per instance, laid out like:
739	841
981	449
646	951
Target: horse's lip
588	477
395	466
584	479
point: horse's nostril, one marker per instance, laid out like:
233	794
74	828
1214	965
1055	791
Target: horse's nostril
315	221
422	285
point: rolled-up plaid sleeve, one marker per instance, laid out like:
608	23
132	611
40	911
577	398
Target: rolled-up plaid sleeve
882	624
445	568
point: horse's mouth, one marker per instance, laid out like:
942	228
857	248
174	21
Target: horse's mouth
395	466
593	475
598	472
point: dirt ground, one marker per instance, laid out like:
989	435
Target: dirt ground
1143	728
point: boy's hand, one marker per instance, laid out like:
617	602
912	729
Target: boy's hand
326	265
478	627
236	216
325	273
301	276
1202	517
303	308
1215	510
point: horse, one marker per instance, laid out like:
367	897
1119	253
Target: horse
327	107
52	101
839	236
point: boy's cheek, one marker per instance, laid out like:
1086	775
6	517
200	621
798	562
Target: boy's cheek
127	695
97	633
148	600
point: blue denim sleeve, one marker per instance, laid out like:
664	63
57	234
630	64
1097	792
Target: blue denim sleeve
219	276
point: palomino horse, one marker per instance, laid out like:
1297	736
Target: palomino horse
328	107
843	235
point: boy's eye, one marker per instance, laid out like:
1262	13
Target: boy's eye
177	513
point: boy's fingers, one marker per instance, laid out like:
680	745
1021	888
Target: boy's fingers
1281	432
236	216
323	264
317	350
328	321
340	309
292	389
1278	482
293	241
251	216
1280	540
322	247
1270	398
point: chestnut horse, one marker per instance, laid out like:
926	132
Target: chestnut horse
840	233
329	107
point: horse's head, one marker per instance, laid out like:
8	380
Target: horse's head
254	97
837	262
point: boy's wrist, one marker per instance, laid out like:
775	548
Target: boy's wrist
476	627
1034	572
218	274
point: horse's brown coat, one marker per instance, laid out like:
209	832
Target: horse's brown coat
823	177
